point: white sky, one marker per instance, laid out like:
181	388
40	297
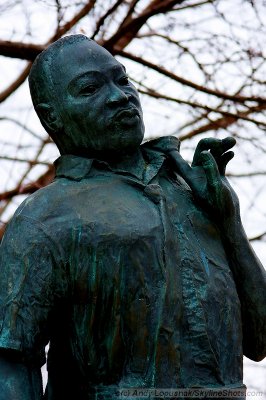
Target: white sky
159	116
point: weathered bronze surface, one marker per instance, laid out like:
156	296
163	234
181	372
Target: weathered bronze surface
132	264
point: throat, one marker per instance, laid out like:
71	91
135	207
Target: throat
134	164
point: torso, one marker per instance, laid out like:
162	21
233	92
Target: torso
151	299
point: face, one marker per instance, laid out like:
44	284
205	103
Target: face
99	108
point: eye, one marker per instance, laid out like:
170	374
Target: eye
123	81
88	90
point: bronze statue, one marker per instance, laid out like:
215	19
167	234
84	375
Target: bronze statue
131	263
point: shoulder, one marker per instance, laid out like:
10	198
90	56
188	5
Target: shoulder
46	201
30	221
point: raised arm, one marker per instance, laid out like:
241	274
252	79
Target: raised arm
250	279
206	178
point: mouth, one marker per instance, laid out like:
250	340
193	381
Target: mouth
126	115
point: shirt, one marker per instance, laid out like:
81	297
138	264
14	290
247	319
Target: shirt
126	277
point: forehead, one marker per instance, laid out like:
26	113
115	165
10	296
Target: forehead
80	58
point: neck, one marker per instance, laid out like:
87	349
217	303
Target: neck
132	163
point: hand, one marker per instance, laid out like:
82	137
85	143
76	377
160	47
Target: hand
206	177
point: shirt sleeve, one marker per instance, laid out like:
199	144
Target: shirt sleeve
30	286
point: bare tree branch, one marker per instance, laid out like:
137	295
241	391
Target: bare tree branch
60	31
223	122
16	84
103	19
258	237
24	51
174	77
126	32
217	110
25	160
44	180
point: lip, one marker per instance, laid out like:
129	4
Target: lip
126	113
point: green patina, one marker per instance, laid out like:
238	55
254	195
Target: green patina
129	262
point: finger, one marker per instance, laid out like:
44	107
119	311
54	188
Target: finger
226	144
205	144
216	146
224	160
211	170
181	166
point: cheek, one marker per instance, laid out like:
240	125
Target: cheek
83	118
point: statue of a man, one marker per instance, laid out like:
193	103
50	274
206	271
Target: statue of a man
131	263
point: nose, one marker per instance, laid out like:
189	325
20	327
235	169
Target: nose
116	96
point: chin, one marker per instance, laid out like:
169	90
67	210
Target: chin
132	143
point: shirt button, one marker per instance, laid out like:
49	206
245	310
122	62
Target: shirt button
154	192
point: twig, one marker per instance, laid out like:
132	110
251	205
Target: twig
258	237
60	31
179	79
157	95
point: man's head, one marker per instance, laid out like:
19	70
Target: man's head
84	100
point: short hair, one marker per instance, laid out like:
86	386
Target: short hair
41	82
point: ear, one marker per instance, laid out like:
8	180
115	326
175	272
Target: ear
49	117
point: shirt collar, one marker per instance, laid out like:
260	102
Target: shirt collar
76	168
72	167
